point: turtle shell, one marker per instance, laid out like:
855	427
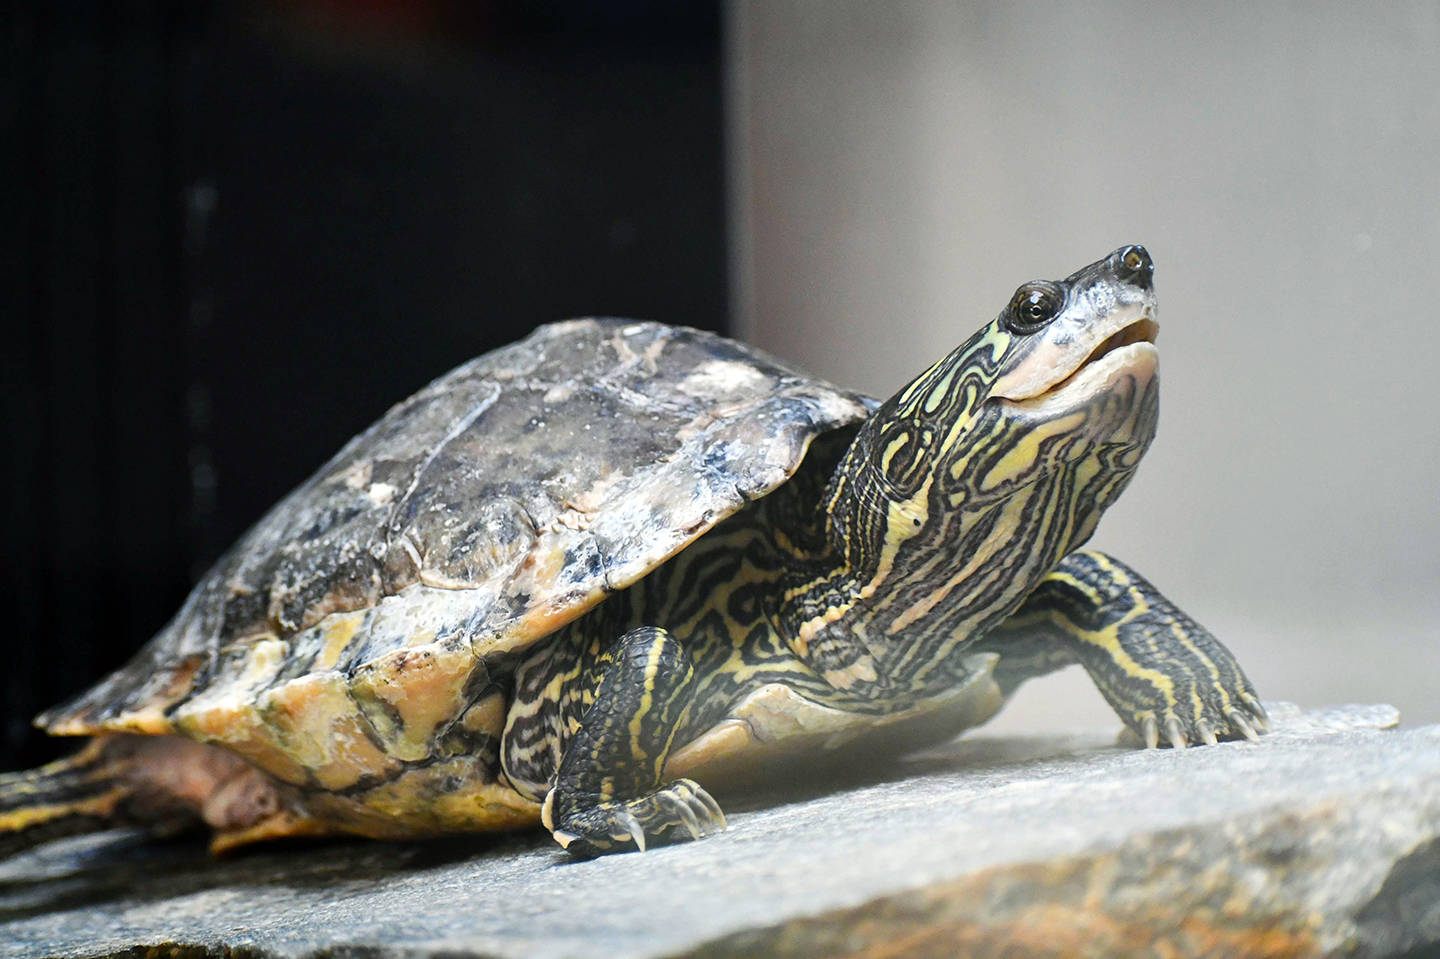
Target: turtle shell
495	505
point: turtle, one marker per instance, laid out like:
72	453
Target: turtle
588	578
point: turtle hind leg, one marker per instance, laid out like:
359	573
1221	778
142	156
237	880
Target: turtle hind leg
1166	676
86	792
608	794
164	783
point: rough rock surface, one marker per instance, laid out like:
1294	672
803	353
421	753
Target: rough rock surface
1322	839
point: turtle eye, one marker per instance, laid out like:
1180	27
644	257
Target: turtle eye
1033	305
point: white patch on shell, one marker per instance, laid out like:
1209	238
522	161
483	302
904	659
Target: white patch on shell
723	378
415	614
579	511
380	493
558	393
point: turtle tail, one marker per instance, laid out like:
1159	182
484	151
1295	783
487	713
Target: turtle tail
86	792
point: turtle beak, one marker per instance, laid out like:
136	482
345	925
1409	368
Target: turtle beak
1126	341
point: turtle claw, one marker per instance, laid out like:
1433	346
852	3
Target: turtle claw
637	831
699	811
1238	720
687	816
678	811
1207	735
1150	732
715	816
1174	733
1259	717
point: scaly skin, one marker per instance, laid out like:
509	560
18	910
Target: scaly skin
1160	671
948	527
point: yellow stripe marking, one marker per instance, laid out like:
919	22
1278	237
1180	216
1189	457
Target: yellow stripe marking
647	699
28	816
896	445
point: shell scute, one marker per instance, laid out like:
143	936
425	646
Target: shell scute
318	724
410	693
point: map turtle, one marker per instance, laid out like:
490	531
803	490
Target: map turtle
586	578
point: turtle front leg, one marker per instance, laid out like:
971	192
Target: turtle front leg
608	794
1164	674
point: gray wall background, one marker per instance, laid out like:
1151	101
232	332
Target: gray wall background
900	167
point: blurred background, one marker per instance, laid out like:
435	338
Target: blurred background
239	231
899	169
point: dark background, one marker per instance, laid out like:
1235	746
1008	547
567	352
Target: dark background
238	232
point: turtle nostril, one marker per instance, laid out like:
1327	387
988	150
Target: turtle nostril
1133	264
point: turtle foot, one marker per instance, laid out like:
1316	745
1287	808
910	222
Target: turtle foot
675	812
1242	717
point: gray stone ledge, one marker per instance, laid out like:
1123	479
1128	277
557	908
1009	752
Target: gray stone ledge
1322	839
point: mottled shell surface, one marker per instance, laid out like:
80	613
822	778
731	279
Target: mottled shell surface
498	503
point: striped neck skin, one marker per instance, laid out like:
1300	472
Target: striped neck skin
968	486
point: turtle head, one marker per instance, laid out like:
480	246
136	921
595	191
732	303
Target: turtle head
970	484
1064	346
1068	366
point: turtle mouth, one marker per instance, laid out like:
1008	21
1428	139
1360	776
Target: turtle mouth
1128	351
1143	330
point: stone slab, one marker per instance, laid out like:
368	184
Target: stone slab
1321	839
